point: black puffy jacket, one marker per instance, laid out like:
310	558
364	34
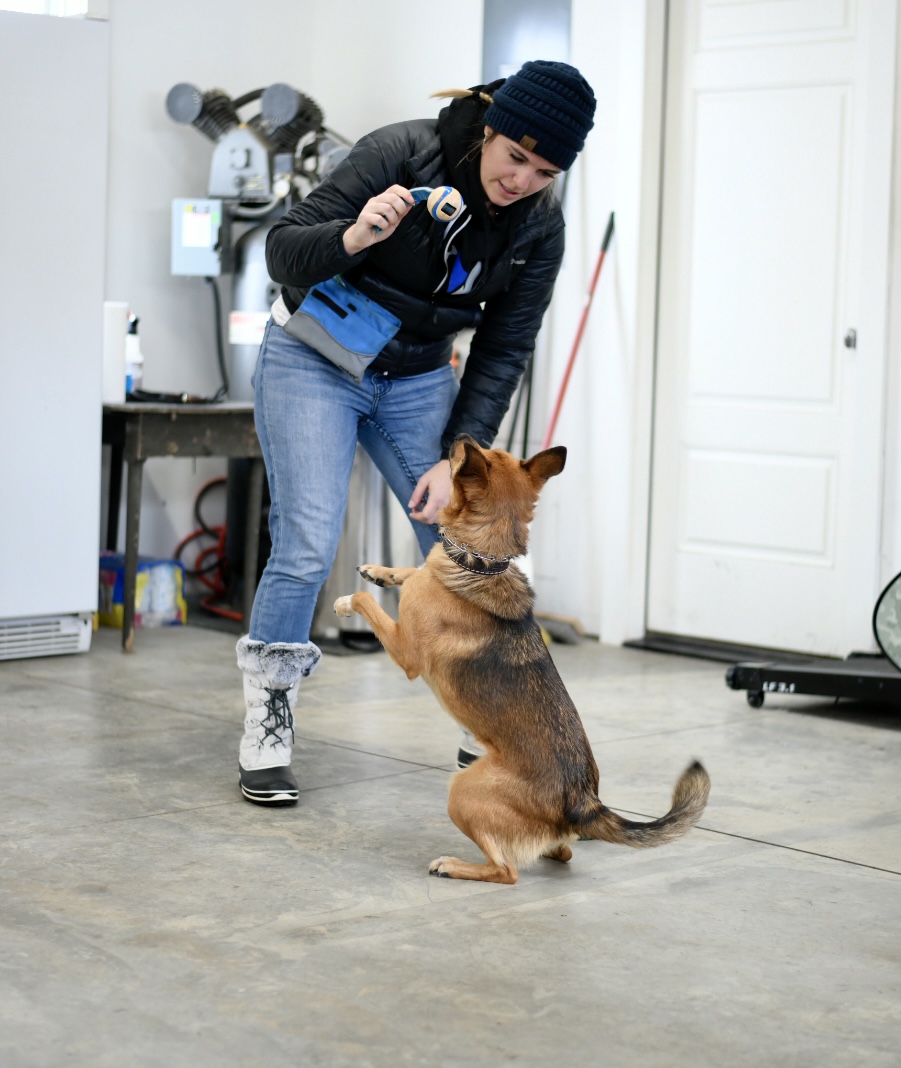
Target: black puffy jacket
305	247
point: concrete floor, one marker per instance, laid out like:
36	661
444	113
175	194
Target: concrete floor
152	917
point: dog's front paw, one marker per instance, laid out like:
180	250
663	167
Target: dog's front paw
439	867
374	573
344	606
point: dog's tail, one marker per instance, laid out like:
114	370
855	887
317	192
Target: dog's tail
689	798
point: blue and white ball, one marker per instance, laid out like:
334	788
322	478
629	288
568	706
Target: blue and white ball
444	203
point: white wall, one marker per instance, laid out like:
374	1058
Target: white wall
589	540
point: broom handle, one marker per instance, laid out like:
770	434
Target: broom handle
608	235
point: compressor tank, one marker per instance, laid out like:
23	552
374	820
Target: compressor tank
253	292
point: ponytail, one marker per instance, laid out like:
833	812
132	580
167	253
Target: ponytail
462	94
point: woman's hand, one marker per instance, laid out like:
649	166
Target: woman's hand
435	485
378	220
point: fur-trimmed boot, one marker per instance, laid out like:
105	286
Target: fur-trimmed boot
271	676
469	750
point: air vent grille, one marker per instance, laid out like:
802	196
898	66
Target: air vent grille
44	636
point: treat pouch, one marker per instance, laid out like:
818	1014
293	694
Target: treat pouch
343	324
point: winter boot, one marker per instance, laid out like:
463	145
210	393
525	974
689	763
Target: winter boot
469	750
271	676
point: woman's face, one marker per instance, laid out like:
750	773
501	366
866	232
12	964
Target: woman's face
509	172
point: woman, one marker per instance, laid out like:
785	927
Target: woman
492	267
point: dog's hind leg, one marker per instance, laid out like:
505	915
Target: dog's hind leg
386	576
498	869
486	819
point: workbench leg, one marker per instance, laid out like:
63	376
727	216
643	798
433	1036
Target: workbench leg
114	497
132	533
252	537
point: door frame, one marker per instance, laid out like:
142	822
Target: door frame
890	549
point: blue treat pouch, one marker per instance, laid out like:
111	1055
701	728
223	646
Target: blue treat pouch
343	324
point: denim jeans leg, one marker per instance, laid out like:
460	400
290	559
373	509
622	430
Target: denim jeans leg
402	433
307	413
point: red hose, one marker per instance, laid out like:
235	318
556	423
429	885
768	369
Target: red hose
212	577
608	235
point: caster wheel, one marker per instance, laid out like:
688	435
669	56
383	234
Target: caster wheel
755	698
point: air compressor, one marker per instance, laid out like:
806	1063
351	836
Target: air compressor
259	169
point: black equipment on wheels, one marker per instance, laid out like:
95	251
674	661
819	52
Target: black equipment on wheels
861	676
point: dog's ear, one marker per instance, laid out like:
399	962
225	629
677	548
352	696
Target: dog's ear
545	465
473	463
467	459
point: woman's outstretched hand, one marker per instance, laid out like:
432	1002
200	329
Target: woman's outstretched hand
431	494
378	220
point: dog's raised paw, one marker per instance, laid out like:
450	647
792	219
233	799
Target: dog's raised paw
368	572
344	606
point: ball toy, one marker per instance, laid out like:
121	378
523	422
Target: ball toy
444	203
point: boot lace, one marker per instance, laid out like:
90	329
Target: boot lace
278	718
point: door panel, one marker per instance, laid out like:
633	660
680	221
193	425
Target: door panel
768	428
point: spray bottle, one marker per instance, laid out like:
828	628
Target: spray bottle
134	360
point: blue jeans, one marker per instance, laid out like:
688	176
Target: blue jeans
309	417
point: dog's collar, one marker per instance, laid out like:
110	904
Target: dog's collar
469	559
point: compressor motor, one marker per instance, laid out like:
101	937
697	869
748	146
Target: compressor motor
261	166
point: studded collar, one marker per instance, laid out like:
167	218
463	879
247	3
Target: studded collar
470	560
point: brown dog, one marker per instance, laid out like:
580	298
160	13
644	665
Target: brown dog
466	626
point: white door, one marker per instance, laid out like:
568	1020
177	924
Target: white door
771	358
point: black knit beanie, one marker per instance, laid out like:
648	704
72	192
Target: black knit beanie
547	108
